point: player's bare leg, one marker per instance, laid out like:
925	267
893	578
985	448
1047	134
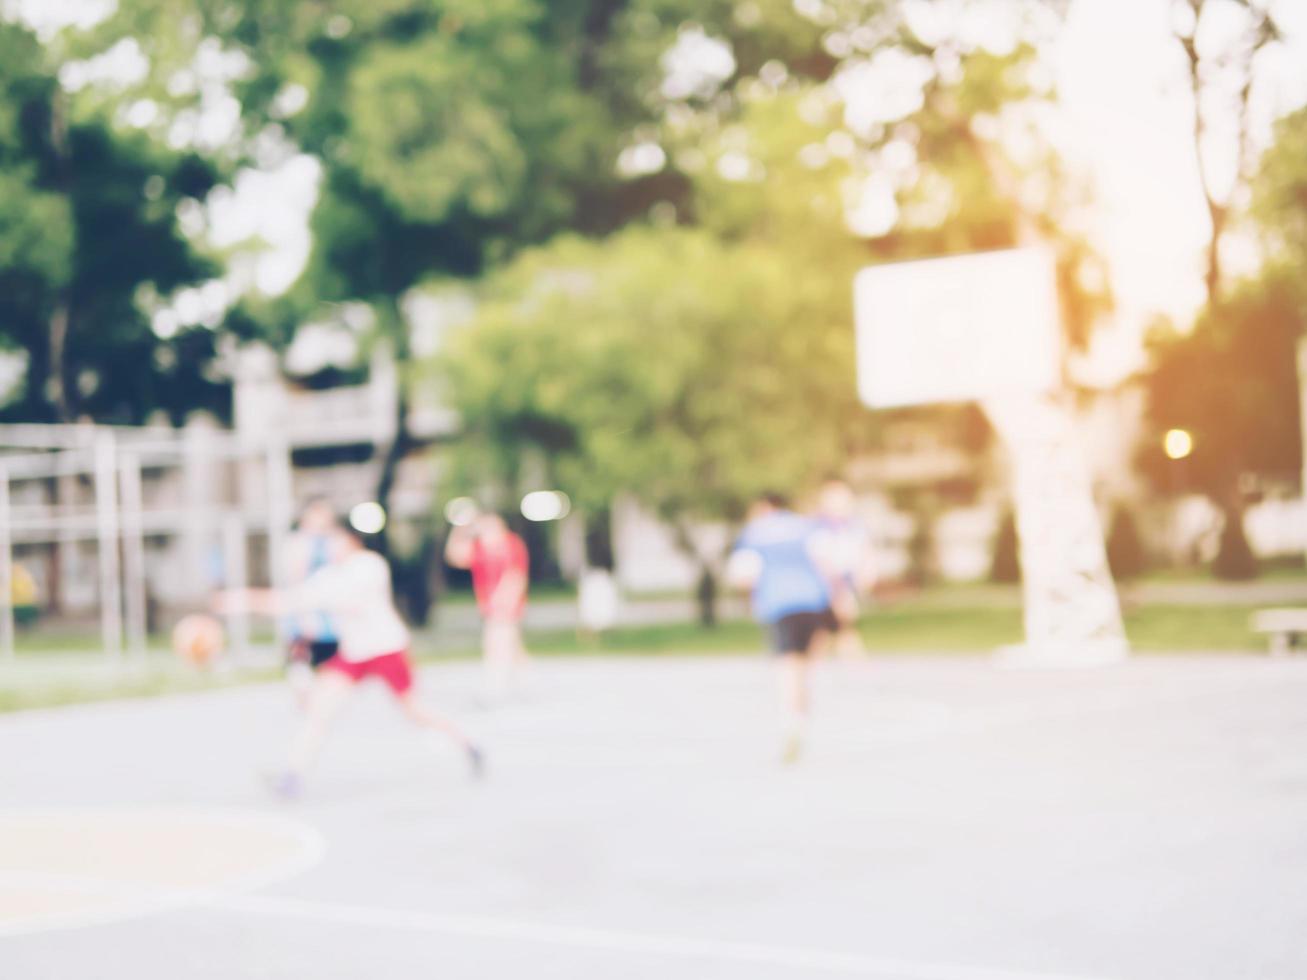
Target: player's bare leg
792	671
328	695
424	717
521	669
846	642
504	656
300	674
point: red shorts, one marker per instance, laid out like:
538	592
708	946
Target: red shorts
392	668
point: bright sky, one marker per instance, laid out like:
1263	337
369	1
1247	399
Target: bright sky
1124	94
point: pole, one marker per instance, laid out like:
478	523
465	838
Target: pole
6	573
134	557
280	490
236	573
106	512
200	484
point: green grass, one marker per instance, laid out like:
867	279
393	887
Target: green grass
1193	628
55	680
72	639
51	640
1282	569
60	667
915	631
923	629
539	590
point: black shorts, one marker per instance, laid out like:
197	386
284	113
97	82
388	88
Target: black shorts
794	633
315	653
320	651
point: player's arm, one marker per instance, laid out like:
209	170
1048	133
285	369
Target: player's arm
743	568
458	547
326	590
259	602
866	576
333	589
297	560
822	550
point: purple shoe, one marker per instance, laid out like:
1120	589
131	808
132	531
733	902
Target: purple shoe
476	762
285	786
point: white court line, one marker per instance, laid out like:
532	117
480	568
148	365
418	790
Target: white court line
621	941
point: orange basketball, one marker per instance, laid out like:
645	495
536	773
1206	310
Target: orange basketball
198	639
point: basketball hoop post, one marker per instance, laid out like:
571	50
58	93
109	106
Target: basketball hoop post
1071	611
983	328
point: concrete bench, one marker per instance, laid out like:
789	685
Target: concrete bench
1284	626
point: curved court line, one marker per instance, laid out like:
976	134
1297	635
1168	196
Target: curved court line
616	940
135	899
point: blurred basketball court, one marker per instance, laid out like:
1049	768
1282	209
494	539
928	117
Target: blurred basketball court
953	821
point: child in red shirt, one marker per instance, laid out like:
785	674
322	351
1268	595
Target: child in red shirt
499	564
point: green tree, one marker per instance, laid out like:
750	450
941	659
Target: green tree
1232	383
1221	82
451	132
1232	380
1280	196
772	168
659	363
88	235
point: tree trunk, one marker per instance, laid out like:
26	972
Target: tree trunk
706	587
599	539
1215	210
60	318
1235	560
706	596
1212	276
1263	32
58	391
395	453
395	330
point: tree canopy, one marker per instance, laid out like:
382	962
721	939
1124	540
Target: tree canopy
1232	382
89	241
716	336
662	363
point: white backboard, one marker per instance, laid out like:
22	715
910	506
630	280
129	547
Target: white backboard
957	329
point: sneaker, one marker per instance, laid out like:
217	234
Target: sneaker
476	762
285	785
792	750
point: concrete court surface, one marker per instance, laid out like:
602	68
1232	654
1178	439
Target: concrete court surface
951	821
